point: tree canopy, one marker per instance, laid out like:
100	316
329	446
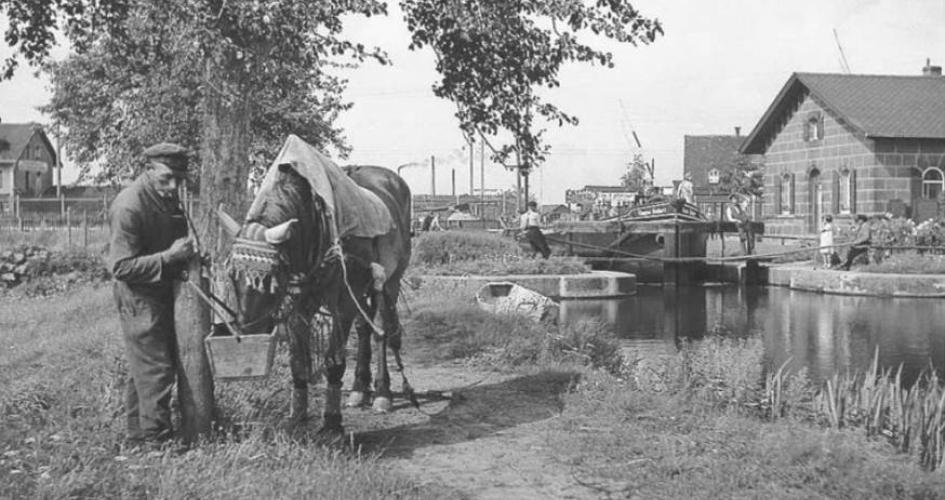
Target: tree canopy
154	64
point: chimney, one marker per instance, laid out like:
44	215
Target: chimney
930	70
738	131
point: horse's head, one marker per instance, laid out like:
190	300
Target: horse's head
281	243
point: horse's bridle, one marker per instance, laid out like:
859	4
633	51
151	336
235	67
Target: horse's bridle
260	260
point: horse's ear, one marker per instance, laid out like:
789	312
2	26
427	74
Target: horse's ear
281	233
230	226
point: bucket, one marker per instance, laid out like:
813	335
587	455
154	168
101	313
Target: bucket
248	357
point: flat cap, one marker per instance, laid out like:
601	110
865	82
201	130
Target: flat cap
167	150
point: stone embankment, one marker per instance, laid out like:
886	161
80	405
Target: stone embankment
812	279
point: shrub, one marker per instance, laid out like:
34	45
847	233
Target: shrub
908	263
509	264
447	247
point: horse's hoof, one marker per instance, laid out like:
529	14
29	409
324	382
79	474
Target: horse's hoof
355	399
382	404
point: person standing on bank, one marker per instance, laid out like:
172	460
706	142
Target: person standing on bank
531	225
826	240
861	241
148	250
737	212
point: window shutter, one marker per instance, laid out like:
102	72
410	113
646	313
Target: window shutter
853	191
778	207
807	130
793	195
820	126
836	192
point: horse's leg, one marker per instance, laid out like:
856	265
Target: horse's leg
362	371
335	363
300	362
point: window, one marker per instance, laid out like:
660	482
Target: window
785	201
933	183
845	189
814	127
714	176
2	173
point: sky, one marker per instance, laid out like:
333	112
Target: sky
719	66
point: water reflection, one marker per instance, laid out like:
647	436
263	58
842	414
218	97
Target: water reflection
824	333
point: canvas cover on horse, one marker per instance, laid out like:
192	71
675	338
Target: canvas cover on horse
353	210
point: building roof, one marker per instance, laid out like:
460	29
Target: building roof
607	189
702	152
14	137
878	106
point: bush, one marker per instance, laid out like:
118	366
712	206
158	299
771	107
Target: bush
908	263
447	247
511	264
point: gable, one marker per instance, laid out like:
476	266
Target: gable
15	138
872	105
702	153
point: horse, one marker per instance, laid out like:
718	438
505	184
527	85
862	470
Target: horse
353	278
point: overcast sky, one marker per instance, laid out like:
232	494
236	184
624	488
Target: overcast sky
719	65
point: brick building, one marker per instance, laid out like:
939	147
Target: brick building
847	144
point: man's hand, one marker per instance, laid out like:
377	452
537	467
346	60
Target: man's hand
181	250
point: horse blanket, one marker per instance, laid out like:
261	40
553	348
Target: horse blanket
352	210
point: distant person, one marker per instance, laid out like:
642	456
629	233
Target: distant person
861	241
826	241
531	225
427	222
737	212
148	248
435	223
684	189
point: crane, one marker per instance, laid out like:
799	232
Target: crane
843	57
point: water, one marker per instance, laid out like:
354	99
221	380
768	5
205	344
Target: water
825	333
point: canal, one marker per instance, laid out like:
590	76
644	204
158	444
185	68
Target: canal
825	333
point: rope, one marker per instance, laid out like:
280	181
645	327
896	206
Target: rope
337	250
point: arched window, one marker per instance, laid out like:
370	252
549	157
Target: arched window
846	190
787	194
933	182
814	127
714	176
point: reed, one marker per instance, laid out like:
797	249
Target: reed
911	417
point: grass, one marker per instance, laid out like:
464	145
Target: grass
61	369
698	424
457	253
629	443
448	324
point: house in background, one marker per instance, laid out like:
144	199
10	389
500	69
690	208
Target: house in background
708	158
847	144
27	160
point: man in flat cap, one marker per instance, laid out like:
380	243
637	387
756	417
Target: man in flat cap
148	249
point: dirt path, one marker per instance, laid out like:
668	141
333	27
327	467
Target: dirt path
486	436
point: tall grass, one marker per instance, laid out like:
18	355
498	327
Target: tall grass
61	382
729	371
446	323
913	418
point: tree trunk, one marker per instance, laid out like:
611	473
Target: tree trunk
194	380
224	170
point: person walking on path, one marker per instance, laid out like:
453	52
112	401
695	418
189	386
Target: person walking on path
147	252
826	241
531	225
861	241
